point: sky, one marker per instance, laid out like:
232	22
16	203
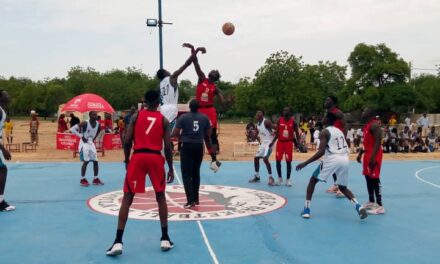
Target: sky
44	38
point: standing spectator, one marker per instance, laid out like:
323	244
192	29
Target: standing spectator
73	120
62	124
358	139
424	123
108	123
393	121
317	134
9	126
350	138
312	124
33	127
408	121
431	140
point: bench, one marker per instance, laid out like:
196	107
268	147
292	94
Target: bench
245	148
13	147
28	146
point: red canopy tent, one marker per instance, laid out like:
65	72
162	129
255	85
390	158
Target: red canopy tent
87	102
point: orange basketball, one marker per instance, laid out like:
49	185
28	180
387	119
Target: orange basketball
228	28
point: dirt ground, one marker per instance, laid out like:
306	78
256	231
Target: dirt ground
229	133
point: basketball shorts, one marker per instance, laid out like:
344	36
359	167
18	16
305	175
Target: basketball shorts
334	164
284	148
139	166
375	173
88	152
264	151
211	113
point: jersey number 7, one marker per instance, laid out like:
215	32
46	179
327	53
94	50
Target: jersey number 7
152	120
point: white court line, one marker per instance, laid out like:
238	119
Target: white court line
423	180
202	230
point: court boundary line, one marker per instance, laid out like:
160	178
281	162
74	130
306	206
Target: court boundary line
202	230
416	174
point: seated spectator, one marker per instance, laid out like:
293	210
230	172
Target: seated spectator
251	133
405	139
418	143
62	124
431	140
302	140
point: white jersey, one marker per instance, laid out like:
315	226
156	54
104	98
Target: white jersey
90	132
169	96
266	135
336	144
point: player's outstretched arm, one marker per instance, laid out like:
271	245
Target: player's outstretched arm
324	137
199	71
168	150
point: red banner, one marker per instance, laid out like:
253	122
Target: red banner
112	141
67	141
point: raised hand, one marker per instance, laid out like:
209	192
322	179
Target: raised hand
201	49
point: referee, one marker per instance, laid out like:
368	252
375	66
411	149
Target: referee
192	128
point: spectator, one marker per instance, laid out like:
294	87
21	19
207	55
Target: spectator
312	124
359	138
393	121
62	124
304	125
34	124
9	126
251	132
108	123
424	123
405	139
418	144
408	121
73	120
317	133
350	138
431	140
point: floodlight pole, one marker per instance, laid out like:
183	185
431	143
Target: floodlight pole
160	35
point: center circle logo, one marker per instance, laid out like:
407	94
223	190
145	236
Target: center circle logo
216	202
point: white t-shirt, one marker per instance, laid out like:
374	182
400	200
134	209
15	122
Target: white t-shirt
408	121
350	133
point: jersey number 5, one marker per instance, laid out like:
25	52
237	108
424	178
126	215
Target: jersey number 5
152	120
196	126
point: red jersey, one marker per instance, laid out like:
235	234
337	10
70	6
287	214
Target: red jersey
338	123
369	139
148	130
285	129
205	93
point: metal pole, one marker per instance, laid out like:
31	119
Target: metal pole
160	35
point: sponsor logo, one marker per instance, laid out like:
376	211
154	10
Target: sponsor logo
216	202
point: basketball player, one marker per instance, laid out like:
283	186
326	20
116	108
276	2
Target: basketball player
205	93
87	131
331	105
335	151
148	132
286	125
169	92
265	137
372	161
4	154
193	129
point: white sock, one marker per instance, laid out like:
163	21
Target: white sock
307	204
2	197
95	177
270	175
257	174
354	201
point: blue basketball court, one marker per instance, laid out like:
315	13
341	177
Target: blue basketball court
55	223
